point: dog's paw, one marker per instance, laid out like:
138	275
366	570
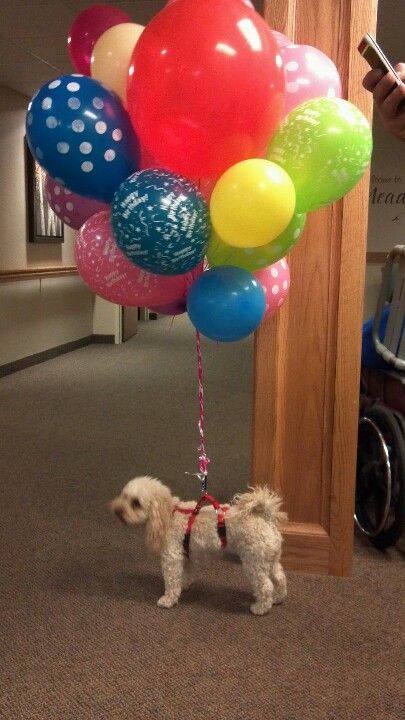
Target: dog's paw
278	599
167	602
260	608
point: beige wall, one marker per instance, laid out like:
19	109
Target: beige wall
34	315
387	185
15	252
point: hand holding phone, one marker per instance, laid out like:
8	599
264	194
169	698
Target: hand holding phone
386	85
376	58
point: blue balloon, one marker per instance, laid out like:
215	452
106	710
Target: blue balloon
80	133
161	222
226	303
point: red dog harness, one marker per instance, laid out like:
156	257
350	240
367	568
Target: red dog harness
220	511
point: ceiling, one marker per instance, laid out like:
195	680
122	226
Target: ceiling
33	34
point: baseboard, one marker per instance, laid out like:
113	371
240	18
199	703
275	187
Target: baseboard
45	355
109	339
306	548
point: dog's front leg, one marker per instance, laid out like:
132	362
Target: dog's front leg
172	567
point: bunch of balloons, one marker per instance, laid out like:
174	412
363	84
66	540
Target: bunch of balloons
187	154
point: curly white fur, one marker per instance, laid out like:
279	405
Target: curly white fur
252	529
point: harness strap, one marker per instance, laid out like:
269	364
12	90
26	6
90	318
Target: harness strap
220	511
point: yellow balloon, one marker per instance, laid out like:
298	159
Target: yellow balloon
252	203
112	54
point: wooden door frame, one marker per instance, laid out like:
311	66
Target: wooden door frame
319	536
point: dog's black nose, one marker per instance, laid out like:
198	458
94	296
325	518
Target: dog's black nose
120	514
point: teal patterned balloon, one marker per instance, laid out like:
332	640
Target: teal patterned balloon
161	222
220	253
325	146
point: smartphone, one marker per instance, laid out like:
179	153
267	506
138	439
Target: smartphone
375	57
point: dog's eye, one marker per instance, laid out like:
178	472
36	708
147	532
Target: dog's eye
135	504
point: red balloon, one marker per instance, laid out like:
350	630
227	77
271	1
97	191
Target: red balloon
87	27
205	86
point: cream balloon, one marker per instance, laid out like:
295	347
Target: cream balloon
111	55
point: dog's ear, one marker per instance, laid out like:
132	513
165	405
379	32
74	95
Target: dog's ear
158	522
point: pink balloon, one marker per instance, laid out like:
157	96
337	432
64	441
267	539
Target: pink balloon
281	39
102	265
73	209
275	280
87	27
309	73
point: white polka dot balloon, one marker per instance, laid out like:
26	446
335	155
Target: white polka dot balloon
73	209
80	132
275	281
309	73
281	39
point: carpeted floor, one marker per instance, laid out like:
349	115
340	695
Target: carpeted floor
81	637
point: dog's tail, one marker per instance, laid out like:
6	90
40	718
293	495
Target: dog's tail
260	501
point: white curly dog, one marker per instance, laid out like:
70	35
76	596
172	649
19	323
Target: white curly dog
252	532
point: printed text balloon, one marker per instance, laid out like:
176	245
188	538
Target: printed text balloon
220	253
161	222
325	146
113	277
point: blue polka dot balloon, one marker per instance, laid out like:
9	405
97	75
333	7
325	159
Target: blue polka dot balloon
80	133
161	222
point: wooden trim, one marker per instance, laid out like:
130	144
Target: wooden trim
376	258
306	548
305	408
281	16
37	273
350	315
37	358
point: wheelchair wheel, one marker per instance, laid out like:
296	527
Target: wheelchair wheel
380	482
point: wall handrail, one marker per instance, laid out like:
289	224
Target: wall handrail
37	273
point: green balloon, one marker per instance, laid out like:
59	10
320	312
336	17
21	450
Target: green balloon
325	146
255	258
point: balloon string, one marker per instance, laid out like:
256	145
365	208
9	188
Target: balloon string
203	459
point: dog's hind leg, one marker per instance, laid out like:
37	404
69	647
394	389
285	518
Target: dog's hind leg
172	567
279	580
256	573
188	575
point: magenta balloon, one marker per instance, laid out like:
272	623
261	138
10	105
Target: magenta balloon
102	265
309	73
275	281
176	308
71	208
281	39
87	27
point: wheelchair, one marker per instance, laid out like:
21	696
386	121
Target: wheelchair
380	477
